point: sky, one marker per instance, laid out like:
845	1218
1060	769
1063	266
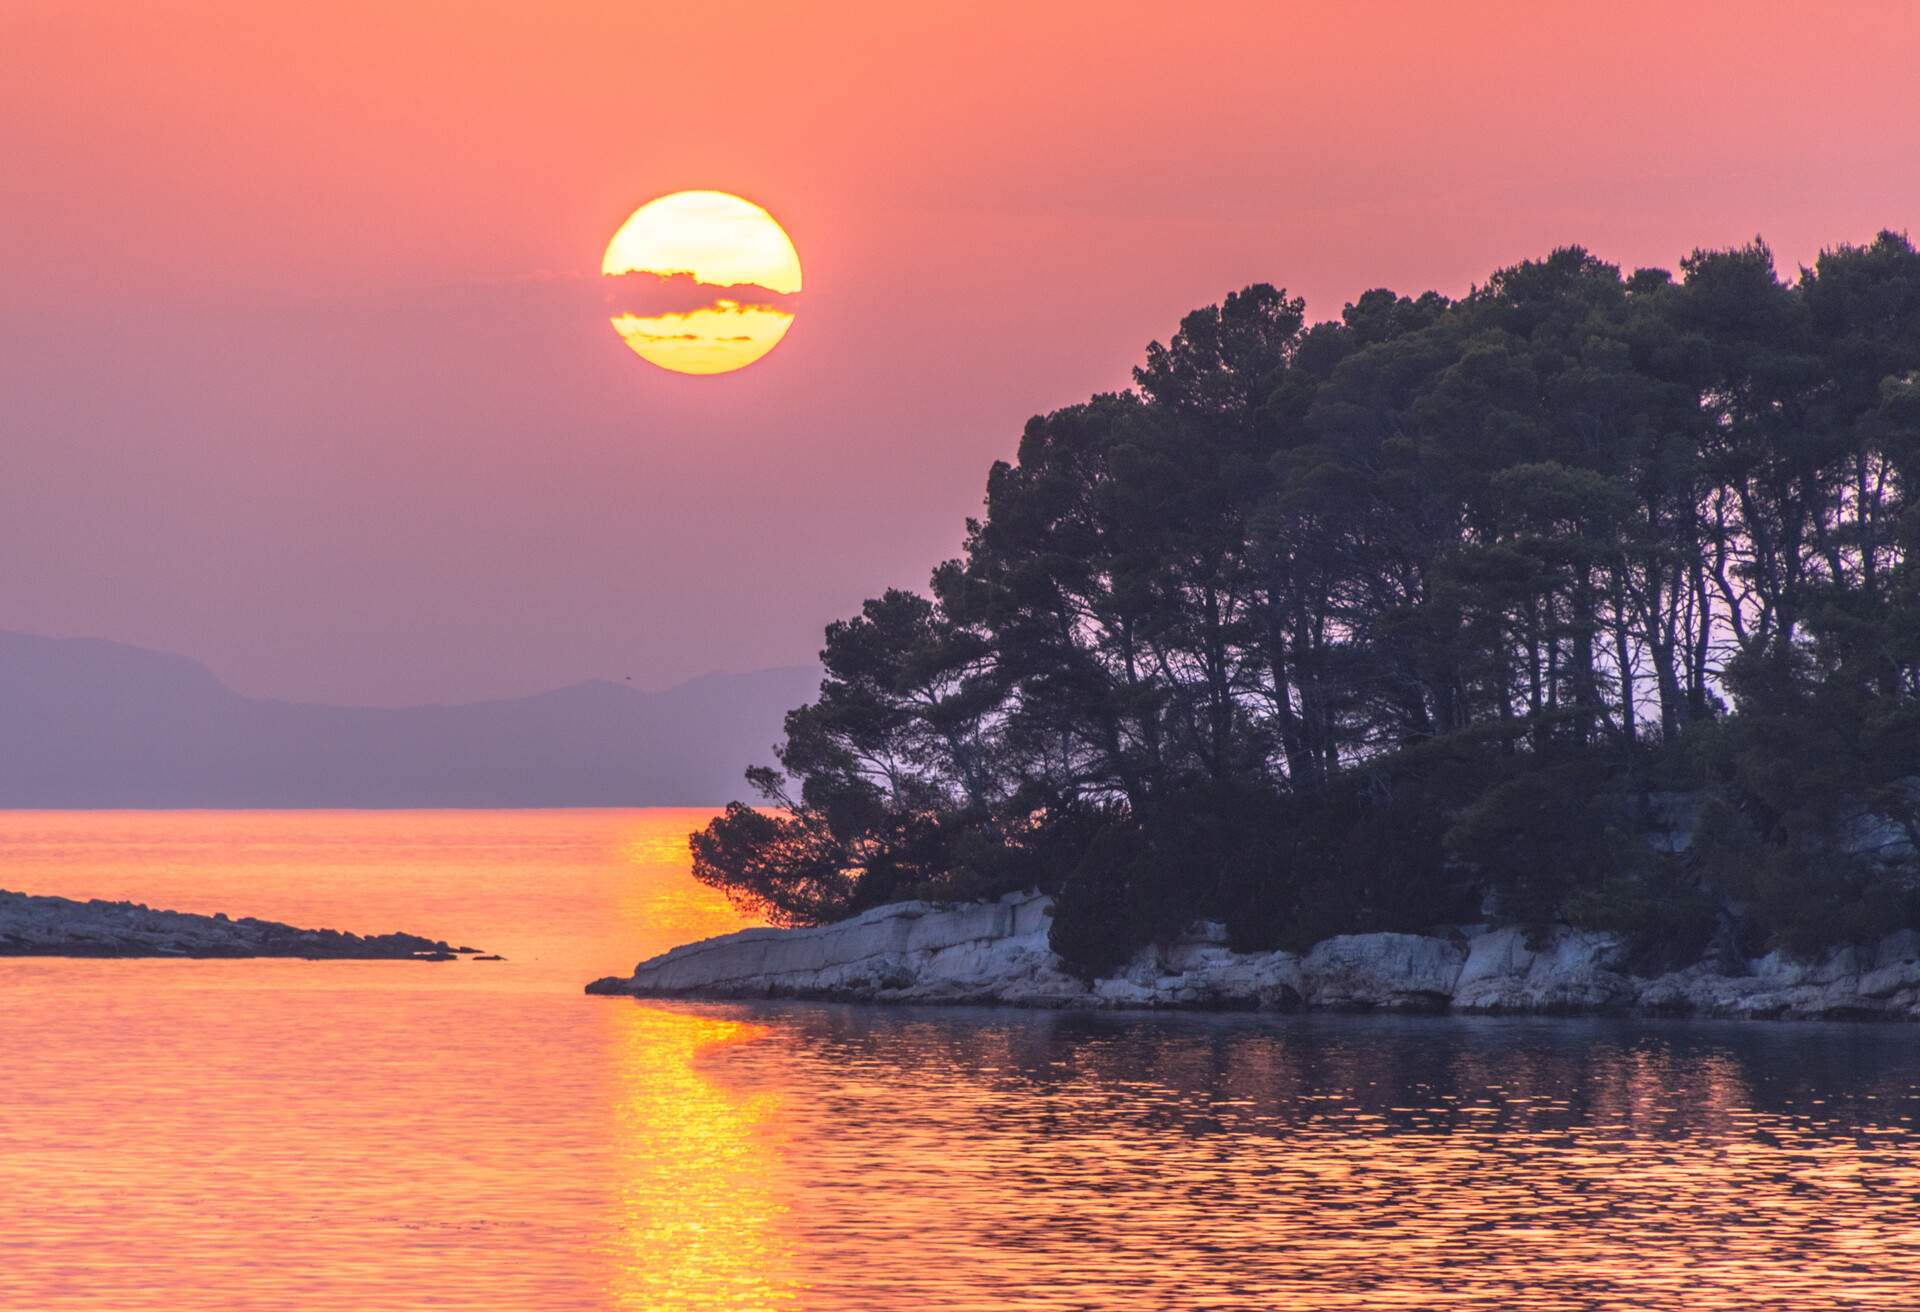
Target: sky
305	369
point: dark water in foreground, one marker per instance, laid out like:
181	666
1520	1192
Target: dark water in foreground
285	1135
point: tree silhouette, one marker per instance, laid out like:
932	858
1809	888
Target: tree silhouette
1410	616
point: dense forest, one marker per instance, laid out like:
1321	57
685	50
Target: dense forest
1584	598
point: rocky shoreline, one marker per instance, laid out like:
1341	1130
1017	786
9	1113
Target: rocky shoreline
33	926
996	953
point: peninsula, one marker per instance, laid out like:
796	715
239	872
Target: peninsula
1578	616
62	927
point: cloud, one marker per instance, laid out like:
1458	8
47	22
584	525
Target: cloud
630	328
648	295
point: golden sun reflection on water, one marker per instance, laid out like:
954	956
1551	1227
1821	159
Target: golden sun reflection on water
1065	1163
285	1136
701	1219
671	911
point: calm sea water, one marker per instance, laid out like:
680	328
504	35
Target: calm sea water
473	1135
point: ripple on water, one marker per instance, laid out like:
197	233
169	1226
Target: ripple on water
983	1159
354	1136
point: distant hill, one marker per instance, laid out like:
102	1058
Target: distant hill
90	723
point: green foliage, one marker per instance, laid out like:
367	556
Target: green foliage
786	868
1362	853
1553	827
1667	918
1378	622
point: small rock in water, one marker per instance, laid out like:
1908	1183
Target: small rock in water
55	926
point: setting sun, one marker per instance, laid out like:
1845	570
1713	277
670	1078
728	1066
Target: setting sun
1301	690
701	282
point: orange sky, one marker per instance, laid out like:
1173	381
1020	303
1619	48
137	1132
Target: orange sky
308	373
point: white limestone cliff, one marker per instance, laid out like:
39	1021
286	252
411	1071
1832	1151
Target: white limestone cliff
997	953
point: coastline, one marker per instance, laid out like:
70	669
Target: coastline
37	926
996	953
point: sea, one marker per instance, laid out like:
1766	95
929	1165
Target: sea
362	1136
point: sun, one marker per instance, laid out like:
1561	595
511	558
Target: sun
701	282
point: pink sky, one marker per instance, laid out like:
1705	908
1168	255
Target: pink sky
307	372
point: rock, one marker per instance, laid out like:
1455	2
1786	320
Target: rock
1672	820
909	951
1395	972
1270	981
1883	838
997	952
1572	972
61	927
1494	974
1895	967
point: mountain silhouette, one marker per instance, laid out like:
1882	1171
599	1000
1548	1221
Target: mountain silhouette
90	723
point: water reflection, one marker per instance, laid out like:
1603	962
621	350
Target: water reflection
665	913
700	1215
281	1136
987	1160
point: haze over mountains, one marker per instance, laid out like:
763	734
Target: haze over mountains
90	723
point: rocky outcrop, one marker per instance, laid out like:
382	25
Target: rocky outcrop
996	952
906	952
60	927
1573	972
1398	972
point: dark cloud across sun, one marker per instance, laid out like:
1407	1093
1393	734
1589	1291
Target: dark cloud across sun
646	294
